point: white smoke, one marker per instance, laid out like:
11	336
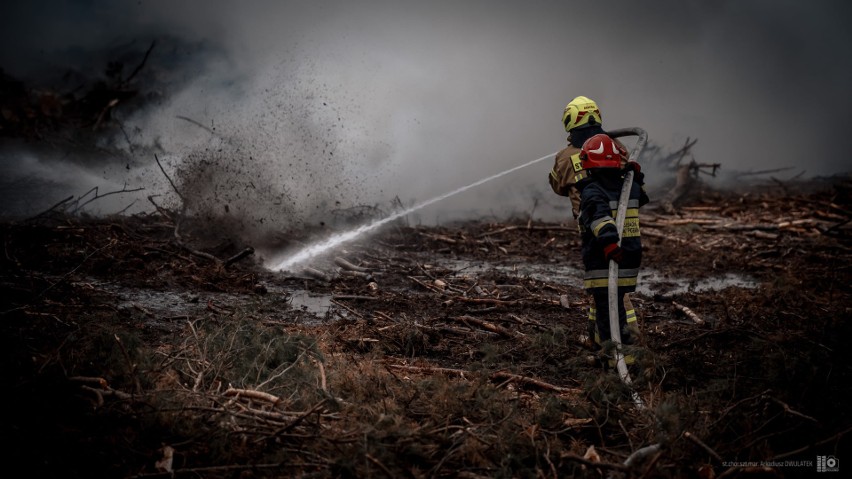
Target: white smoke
434	95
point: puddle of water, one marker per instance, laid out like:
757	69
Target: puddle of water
315	304
172	303
650	281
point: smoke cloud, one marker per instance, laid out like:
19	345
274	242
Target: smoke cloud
302	108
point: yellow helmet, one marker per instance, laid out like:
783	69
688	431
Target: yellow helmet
580	112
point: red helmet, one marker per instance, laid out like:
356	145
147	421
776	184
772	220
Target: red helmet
601	151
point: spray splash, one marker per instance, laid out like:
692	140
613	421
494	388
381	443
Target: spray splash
340	238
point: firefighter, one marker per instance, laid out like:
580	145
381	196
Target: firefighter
582	120
605	162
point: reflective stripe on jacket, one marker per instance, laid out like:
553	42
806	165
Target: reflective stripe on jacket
598	206
567	171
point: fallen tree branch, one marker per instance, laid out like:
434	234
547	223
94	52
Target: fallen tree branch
449	330
489	326
534	382
242	254
316	274
437	237
349	266
497	376
354	297
655	234
429	369
252	394
200	254
499	302
691	314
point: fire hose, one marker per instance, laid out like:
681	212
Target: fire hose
621	213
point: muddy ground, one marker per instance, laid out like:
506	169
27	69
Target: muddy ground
447	351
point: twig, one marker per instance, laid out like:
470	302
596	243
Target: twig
159	208
437	237
57	205
449	330
534	382
299	419
179	117
380	465
651	232
428	369
198	471
354	297
118	213
694	317
316	274
736	404
253	394
792	411
810	446
704	446
526	227
347	308
141	64
200	254
242	254
66	275
99	196
597	465
349	266
170	180
651	464
323	383
426	285
498	302
489	326
130	364
764	172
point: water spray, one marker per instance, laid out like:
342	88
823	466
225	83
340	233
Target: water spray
340	238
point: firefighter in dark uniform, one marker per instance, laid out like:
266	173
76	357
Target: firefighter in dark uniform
582	120
604	161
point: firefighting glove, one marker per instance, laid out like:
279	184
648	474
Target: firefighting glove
613	252
638	176
632	165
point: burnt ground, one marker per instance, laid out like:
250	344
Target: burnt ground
446	351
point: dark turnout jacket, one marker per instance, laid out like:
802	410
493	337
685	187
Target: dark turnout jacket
568	169
599	194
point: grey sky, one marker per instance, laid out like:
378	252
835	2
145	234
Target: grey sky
434	95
